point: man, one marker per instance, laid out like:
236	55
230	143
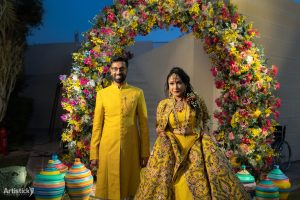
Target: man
119	145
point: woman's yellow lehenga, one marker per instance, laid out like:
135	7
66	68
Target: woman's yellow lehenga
184	167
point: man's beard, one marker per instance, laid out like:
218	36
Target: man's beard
121	79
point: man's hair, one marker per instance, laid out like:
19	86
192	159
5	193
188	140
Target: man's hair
119	59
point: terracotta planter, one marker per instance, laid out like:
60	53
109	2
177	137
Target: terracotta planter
49	184
79	181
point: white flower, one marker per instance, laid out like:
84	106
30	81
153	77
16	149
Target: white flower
91	83
75	77
76	88
249	59
71	144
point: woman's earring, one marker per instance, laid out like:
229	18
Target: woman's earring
170	94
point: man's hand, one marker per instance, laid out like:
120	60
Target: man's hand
94	164
144	162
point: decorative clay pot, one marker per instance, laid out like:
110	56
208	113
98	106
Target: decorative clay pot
247	180
266	190
281	181
59	165
49	184
79	181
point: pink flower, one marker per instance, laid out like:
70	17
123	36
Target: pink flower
276	114
229	153
231	136
214	71
277	86
274	70
64	117
88	61
83	81
268	123
218	102
233	26
234	68
105	69
249	78
233	95
219	84
247	44
125	14
85	91
278	103
106	31
123	2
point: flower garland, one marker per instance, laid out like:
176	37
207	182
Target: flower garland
247	104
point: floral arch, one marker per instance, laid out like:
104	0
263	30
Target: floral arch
247	104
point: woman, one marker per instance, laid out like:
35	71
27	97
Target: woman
185	162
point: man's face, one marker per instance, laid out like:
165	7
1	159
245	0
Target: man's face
118	71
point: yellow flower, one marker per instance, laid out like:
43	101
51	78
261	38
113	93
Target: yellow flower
97	49
86	69
66	137
268	79
258	157
107	59
97	41
255	131
132	12
79	145
195	9
256	113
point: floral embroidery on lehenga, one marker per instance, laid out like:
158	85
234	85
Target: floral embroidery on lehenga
207	172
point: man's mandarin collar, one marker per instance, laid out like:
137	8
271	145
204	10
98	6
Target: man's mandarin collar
124	85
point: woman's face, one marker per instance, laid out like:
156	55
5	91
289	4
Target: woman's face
176	86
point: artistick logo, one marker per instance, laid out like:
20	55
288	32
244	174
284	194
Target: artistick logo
18	191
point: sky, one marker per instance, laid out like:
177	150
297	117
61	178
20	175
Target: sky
63	18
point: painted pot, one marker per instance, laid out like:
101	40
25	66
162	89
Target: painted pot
79	181
49	184
281	181
247	180
266	190
59	165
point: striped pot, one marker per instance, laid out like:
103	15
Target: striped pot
49	184
59	165
266	190
247	180
79	181
281	181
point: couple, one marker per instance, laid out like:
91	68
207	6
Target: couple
185	163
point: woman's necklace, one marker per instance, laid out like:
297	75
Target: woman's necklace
179	105
182	128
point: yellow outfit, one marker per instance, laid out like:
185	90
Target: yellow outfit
185	167
118	142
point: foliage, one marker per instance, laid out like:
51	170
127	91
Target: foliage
16	19
247	103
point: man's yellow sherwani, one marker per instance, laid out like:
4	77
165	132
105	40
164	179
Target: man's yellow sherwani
119	140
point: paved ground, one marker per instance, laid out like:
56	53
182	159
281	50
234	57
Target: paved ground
40	153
